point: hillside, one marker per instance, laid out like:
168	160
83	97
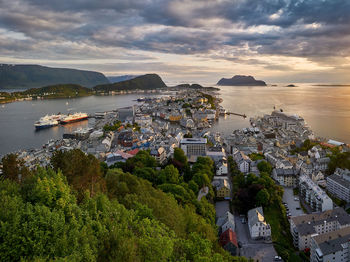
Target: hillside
240	80
57	91
115	79
29	76
144	82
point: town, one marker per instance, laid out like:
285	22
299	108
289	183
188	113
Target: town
299	208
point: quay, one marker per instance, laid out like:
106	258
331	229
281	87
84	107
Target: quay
236	114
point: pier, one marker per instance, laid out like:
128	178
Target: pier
236	114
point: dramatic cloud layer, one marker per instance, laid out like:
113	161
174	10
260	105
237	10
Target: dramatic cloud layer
194	40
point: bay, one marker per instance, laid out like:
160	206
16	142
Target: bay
325	108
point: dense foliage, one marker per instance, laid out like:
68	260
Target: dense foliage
79	211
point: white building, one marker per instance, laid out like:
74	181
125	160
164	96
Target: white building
317	199
243	161
304	227
338	184
222	169
226	221
258	228
331	247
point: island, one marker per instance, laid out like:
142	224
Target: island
240	80
291	85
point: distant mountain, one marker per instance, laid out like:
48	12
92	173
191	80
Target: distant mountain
144	82
116	79
240	80
29	76
197	86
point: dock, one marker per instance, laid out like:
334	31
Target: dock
236	114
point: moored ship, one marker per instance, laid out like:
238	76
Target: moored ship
74	118
48	121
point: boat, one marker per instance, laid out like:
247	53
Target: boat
45	123
74	118
48	121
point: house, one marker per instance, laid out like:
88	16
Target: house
223	188
222	169
228	240
304	227
159	154
258	227
243	161
227	221
285	176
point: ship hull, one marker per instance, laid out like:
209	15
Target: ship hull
44	126
64	122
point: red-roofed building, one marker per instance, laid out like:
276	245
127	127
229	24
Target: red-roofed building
134	151
228	240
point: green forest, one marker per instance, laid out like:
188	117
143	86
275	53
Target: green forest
78	209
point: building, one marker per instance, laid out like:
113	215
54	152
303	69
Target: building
338	184
223	188
159	154
304	227
243	161
126	112
333	246
227	221
258	228
194	146
317	199
228	240
285	177
222	169
143	120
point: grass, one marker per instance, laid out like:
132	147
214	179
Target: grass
275	215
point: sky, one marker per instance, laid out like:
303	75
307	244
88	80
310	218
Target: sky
278	41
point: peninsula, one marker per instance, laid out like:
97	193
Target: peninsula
240	80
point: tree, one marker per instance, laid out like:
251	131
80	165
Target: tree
264	166
14	168
169	175
180	156
262	197
83	171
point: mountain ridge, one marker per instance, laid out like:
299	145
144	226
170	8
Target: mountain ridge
24	76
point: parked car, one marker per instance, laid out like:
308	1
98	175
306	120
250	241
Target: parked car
298	208
244	221
277	258
239	244
296	199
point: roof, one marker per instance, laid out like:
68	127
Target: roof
256	215
134	151
224	218
228	236
338	179
332	242
305	224
193	141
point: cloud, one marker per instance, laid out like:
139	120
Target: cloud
229	32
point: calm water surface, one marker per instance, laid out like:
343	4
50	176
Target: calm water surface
325	109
